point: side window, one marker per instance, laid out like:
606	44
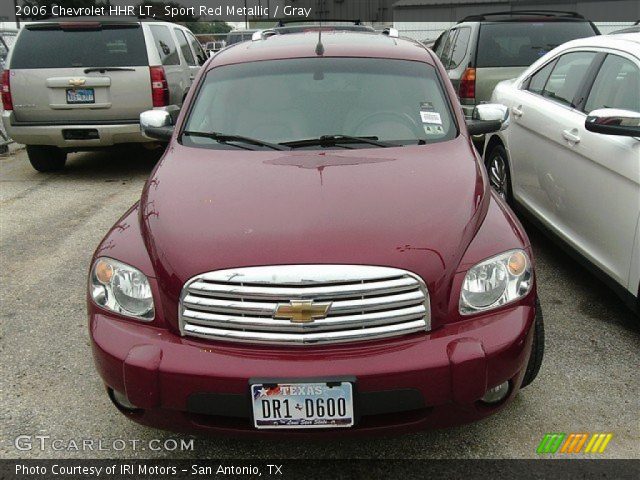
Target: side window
617	85
195	44
439	43
165	45
539	79
184	46
567	76
460	47
446	50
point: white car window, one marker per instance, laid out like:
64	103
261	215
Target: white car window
617	85
539	79
567	76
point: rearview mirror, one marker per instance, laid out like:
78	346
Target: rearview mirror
488	118
157	124
612	121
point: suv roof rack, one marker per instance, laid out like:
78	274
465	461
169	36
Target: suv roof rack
516	13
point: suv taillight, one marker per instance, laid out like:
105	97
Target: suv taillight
7	102
467	87
159	87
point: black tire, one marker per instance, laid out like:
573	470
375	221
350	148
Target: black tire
537	349
499	177
45	158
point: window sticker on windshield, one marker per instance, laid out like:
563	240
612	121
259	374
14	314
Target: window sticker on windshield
429	115
433	129
431	118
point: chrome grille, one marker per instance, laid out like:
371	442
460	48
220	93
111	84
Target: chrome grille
365	303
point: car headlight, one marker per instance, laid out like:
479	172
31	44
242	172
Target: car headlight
495	282
121	288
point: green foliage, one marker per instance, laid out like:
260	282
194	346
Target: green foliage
208	27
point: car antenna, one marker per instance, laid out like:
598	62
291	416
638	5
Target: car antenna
319	46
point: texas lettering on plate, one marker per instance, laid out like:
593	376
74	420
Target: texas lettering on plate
302	405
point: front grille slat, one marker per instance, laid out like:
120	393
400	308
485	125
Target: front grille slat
338	307
373	333
326	324
364	303
282	293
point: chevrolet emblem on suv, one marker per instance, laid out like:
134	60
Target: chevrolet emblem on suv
76	82
301	311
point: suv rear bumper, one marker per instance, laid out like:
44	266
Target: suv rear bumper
54	134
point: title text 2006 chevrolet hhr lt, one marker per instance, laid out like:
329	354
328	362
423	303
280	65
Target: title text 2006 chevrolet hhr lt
317	251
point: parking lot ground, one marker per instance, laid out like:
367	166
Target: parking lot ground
49	227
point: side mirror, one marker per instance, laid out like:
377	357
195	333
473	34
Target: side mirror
157	124
612	121
488	118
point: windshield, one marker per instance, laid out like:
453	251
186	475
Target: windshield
280	101
519	44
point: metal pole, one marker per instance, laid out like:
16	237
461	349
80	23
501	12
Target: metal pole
15	9
246	23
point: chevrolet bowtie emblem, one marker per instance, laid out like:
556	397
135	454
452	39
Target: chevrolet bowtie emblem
76	82
302	311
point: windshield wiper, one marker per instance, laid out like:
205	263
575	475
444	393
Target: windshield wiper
224	138
333	140
109	69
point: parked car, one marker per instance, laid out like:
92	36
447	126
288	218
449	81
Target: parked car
571	155
482	50
237	36
213	47
341	264
635	28
73	85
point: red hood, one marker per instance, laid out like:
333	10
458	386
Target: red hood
414	207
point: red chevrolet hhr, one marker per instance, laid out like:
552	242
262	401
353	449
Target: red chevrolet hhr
318	251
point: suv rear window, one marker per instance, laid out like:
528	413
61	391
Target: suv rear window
519	44
104	46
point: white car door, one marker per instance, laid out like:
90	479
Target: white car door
594	179
542	119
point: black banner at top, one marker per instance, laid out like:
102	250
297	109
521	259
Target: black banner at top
257	12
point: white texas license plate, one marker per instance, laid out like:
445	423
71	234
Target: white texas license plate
302	405
82	95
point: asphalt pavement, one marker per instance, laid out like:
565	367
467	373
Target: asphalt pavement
51	223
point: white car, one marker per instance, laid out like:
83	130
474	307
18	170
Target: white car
570	157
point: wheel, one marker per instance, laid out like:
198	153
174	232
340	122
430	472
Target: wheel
497	164
45	158
537	349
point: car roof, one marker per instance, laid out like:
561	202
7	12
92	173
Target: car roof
628	42
336	44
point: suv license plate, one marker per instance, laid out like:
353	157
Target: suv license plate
82	95
302	405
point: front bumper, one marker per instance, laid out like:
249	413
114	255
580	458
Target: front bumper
58	135
404	384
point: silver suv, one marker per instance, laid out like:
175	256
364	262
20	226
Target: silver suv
74	84
482	50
